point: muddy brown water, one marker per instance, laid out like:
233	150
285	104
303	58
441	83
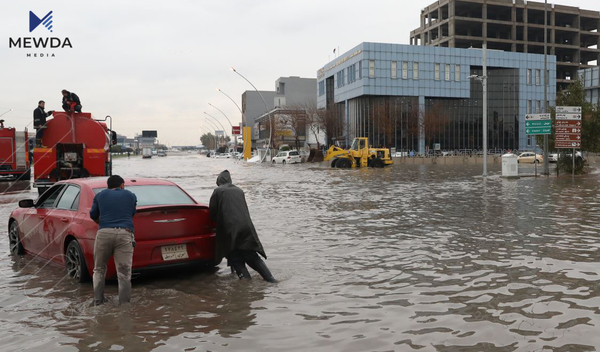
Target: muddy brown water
424	258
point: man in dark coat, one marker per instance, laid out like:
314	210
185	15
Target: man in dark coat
70	101
39	122
236	239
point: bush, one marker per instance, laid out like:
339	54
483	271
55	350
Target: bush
565	165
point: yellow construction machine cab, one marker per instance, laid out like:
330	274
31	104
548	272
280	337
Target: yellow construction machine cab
360	154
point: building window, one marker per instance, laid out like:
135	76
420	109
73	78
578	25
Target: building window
529	106
529	76
447	72
340	78
538	107
538	80
351	73
371	68
530	141
360	70
437	72
415	70
404	70
394	69
321	88
547	78
457	73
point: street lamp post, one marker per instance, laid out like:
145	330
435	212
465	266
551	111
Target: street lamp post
233	101
6	112
483	80
546	107
228	120
212	125
266	107
219	122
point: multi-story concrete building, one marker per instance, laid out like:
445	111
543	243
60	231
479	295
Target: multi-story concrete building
516	26
413	97
253	107
289	92
591	82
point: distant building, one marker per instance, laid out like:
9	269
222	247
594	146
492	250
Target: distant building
515	26
289	127
290	92
414	97
591	83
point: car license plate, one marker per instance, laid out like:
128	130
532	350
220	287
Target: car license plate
174	252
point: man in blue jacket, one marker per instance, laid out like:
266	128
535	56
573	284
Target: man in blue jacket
113	209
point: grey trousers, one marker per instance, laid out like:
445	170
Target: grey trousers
119	244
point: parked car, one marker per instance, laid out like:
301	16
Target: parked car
288	157
553	158
171	228
529	158
223	156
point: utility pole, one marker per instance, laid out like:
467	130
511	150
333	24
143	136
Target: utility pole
546	107
485	110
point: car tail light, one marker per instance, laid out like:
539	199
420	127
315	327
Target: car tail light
289	157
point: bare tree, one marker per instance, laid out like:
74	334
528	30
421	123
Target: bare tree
314	119
435	121
294	121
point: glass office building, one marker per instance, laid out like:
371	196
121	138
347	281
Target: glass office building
416	97
591	83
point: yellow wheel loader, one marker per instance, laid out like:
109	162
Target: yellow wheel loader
360	154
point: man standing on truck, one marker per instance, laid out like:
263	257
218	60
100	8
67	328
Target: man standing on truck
113	210
236	239
70	101
39	122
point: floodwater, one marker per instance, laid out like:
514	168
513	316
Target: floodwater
423	258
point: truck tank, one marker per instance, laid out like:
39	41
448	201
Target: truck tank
75	145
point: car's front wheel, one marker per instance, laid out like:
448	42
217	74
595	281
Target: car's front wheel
14	239
283	162
75	263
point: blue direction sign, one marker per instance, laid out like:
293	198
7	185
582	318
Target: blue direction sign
538	123
538	131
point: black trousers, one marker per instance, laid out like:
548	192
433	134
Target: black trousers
67	108
39	134
238	259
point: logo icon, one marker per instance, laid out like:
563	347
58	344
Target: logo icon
34	21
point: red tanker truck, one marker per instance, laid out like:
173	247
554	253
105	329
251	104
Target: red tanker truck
14	153
75	146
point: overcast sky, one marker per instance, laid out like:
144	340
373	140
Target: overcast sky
156	64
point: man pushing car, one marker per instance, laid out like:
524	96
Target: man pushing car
236	237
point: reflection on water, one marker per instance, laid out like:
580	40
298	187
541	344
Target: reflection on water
427	258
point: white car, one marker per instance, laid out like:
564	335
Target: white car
223	156
553	158
290	157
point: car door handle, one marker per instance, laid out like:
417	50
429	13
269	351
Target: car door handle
64	219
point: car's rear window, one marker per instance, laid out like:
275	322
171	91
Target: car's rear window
294	153
150	195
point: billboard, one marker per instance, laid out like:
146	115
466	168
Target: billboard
149	134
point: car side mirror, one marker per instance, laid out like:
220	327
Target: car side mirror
26	203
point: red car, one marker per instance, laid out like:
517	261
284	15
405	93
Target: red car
171	228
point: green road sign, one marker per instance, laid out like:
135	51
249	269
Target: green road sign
538	124
538	131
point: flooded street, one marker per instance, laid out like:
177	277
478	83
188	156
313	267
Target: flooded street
427	258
